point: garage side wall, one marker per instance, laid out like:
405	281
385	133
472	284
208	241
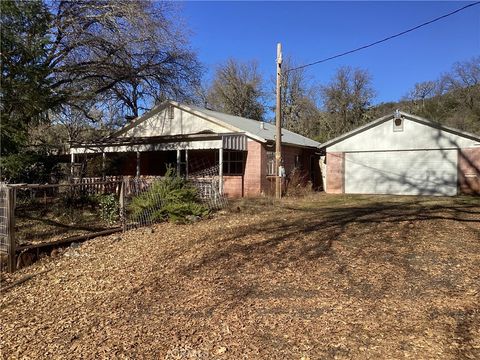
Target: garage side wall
335	172
469	170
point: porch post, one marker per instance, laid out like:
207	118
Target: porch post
72	164
220	171
179	159
138	164
103	164
186	163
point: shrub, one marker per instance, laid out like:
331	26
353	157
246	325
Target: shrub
171	198
28	168
298	183
109	208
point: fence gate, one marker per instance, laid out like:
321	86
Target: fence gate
7	226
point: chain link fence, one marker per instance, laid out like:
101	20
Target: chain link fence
207	183
3	219
4	226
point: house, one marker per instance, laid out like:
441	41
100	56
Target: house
195	141
402	154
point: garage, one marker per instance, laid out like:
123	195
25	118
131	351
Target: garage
421	172
405	155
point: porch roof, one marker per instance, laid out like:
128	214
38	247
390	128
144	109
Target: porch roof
228	141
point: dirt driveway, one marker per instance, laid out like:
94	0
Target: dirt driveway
328	277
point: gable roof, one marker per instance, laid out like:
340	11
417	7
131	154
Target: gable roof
385	118
258	130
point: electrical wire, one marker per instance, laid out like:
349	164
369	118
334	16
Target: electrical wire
385	39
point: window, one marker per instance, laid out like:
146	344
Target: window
271	163
233	162
297	162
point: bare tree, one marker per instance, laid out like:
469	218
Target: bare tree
132	51
422	91
98	60
464	80
237	89
299	103
453	99
346	99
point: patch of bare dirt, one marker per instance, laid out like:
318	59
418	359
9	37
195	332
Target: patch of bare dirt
331	277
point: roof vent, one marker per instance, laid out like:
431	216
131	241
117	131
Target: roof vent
397	121
262	125
170	112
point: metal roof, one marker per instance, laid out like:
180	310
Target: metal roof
390	116
259	129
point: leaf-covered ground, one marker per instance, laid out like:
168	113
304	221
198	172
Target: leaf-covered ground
331	277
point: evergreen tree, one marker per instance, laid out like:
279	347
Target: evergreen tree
26	94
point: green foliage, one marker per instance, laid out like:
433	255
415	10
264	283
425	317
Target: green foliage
25	77
171	198
453	99
99	59
29	168
109	208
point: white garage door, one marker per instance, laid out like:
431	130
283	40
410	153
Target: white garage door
420	172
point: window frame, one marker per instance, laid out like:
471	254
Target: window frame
270	163
233	162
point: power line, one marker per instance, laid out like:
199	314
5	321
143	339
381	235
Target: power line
385	39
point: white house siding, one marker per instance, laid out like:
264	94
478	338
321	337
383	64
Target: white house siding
414	136
182	123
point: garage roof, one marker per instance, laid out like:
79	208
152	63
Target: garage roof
388	117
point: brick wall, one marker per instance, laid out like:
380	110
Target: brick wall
254	169
469	170
233	186
335	173
308	161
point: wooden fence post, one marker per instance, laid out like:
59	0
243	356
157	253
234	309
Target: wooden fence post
11	229
122	205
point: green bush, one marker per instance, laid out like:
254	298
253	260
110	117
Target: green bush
109	208
28	168
171	198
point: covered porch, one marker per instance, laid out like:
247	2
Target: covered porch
218	156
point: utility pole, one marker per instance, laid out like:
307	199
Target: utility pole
278	124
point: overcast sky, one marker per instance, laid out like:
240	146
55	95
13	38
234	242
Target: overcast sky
311	31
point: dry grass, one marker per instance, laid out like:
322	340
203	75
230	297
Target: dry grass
330	277
39	222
